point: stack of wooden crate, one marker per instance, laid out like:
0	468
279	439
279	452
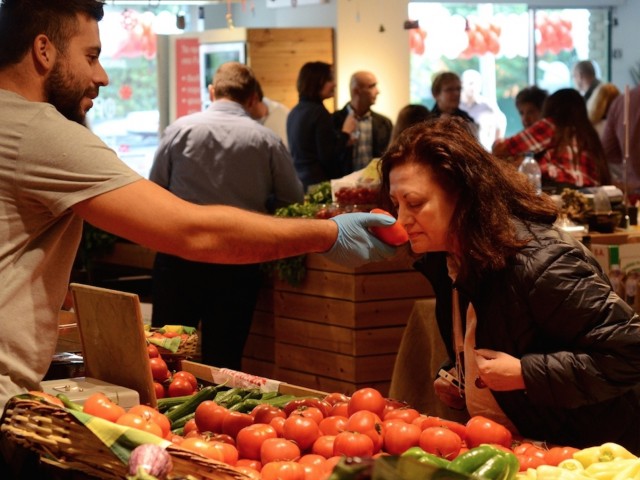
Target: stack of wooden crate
341	328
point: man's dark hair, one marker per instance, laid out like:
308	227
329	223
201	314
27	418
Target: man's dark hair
21	21
532	94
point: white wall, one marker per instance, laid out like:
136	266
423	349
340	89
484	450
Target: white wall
626	38
361	46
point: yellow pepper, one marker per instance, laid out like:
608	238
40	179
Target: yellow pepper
631	472
548	472
571	464
529	474
603	453
607	470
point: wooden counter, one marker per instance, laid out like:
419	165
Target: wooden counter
338	331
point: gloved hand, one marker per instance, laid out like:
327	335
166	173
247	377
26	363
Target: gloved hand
355	244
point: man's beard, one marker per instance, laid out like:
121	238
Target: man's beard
65	93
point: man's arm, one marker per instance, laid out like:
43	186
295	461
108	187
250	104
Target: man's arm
146	213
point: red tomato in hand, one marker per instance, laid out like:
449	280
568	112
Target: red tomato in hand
440	441
394	234
484	430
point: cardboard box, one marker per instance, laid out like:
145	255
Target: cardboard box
625	257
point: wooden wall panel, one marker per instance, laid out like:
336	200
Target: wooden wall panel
277	54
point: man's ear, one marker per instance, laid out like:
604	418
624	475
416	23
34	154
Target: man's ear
44	52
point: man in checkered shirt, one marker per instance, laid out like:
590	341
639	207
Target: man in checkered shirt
372	136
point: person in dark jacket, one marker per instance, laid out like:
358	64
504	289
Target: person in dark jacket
374	130
314	143
533	327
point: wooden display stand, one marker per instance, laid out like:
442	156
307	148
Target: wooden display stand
340	330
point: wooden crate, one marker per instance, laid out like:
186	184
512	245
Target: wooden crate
341	328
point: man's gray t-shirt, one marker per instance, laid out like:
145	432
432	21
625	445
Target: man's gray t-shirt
47	165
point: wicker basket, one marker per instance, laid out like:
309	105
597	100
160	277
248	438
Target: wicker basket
62	440
187	349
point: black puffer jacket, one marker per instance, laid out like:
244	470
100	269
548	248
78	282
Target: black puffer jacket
579	343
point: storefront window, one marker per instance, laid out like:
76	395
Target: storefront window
511	46
125	115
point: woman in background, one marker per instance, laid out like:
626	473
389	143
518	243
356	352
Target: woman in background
313	141
407	116
446	89
570	152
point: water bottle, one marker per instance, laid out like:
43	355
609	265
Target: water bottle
531	169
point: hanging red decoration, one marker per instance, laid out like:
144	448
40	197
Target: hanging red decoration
141	40
416	40
483	39
554	34
125	92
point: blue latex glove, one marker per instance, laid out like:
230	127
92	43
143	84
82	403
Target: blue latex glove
355	244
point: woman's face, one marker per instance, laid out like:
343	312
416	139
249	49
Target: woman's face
424	208
328	89
448	100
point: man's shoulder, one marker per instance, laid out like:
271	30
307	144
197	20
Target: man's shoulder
381	118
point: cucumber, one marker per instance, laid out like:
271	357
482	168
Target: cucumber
189	406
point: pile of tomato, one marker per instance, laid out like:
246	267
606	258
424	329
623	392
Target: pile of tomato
305	440
165	383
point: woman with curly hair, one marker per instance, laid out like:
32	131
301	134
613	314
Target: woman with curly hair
532	326
564	142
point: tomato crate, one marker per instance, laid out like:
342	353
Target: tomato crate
215	375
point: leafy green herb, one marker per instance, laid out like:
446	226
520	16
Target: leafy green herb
293	269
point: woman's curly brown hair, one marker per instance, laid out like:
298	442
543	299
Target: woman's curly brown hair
490	192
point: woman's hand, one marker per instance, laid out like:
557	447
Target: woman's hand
499	371
449	394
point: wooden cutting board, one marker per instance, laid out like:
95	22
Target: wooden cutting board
113	340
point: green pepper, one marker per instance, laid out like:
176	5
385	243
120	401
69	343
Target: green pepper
468	462
496	468
426	457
